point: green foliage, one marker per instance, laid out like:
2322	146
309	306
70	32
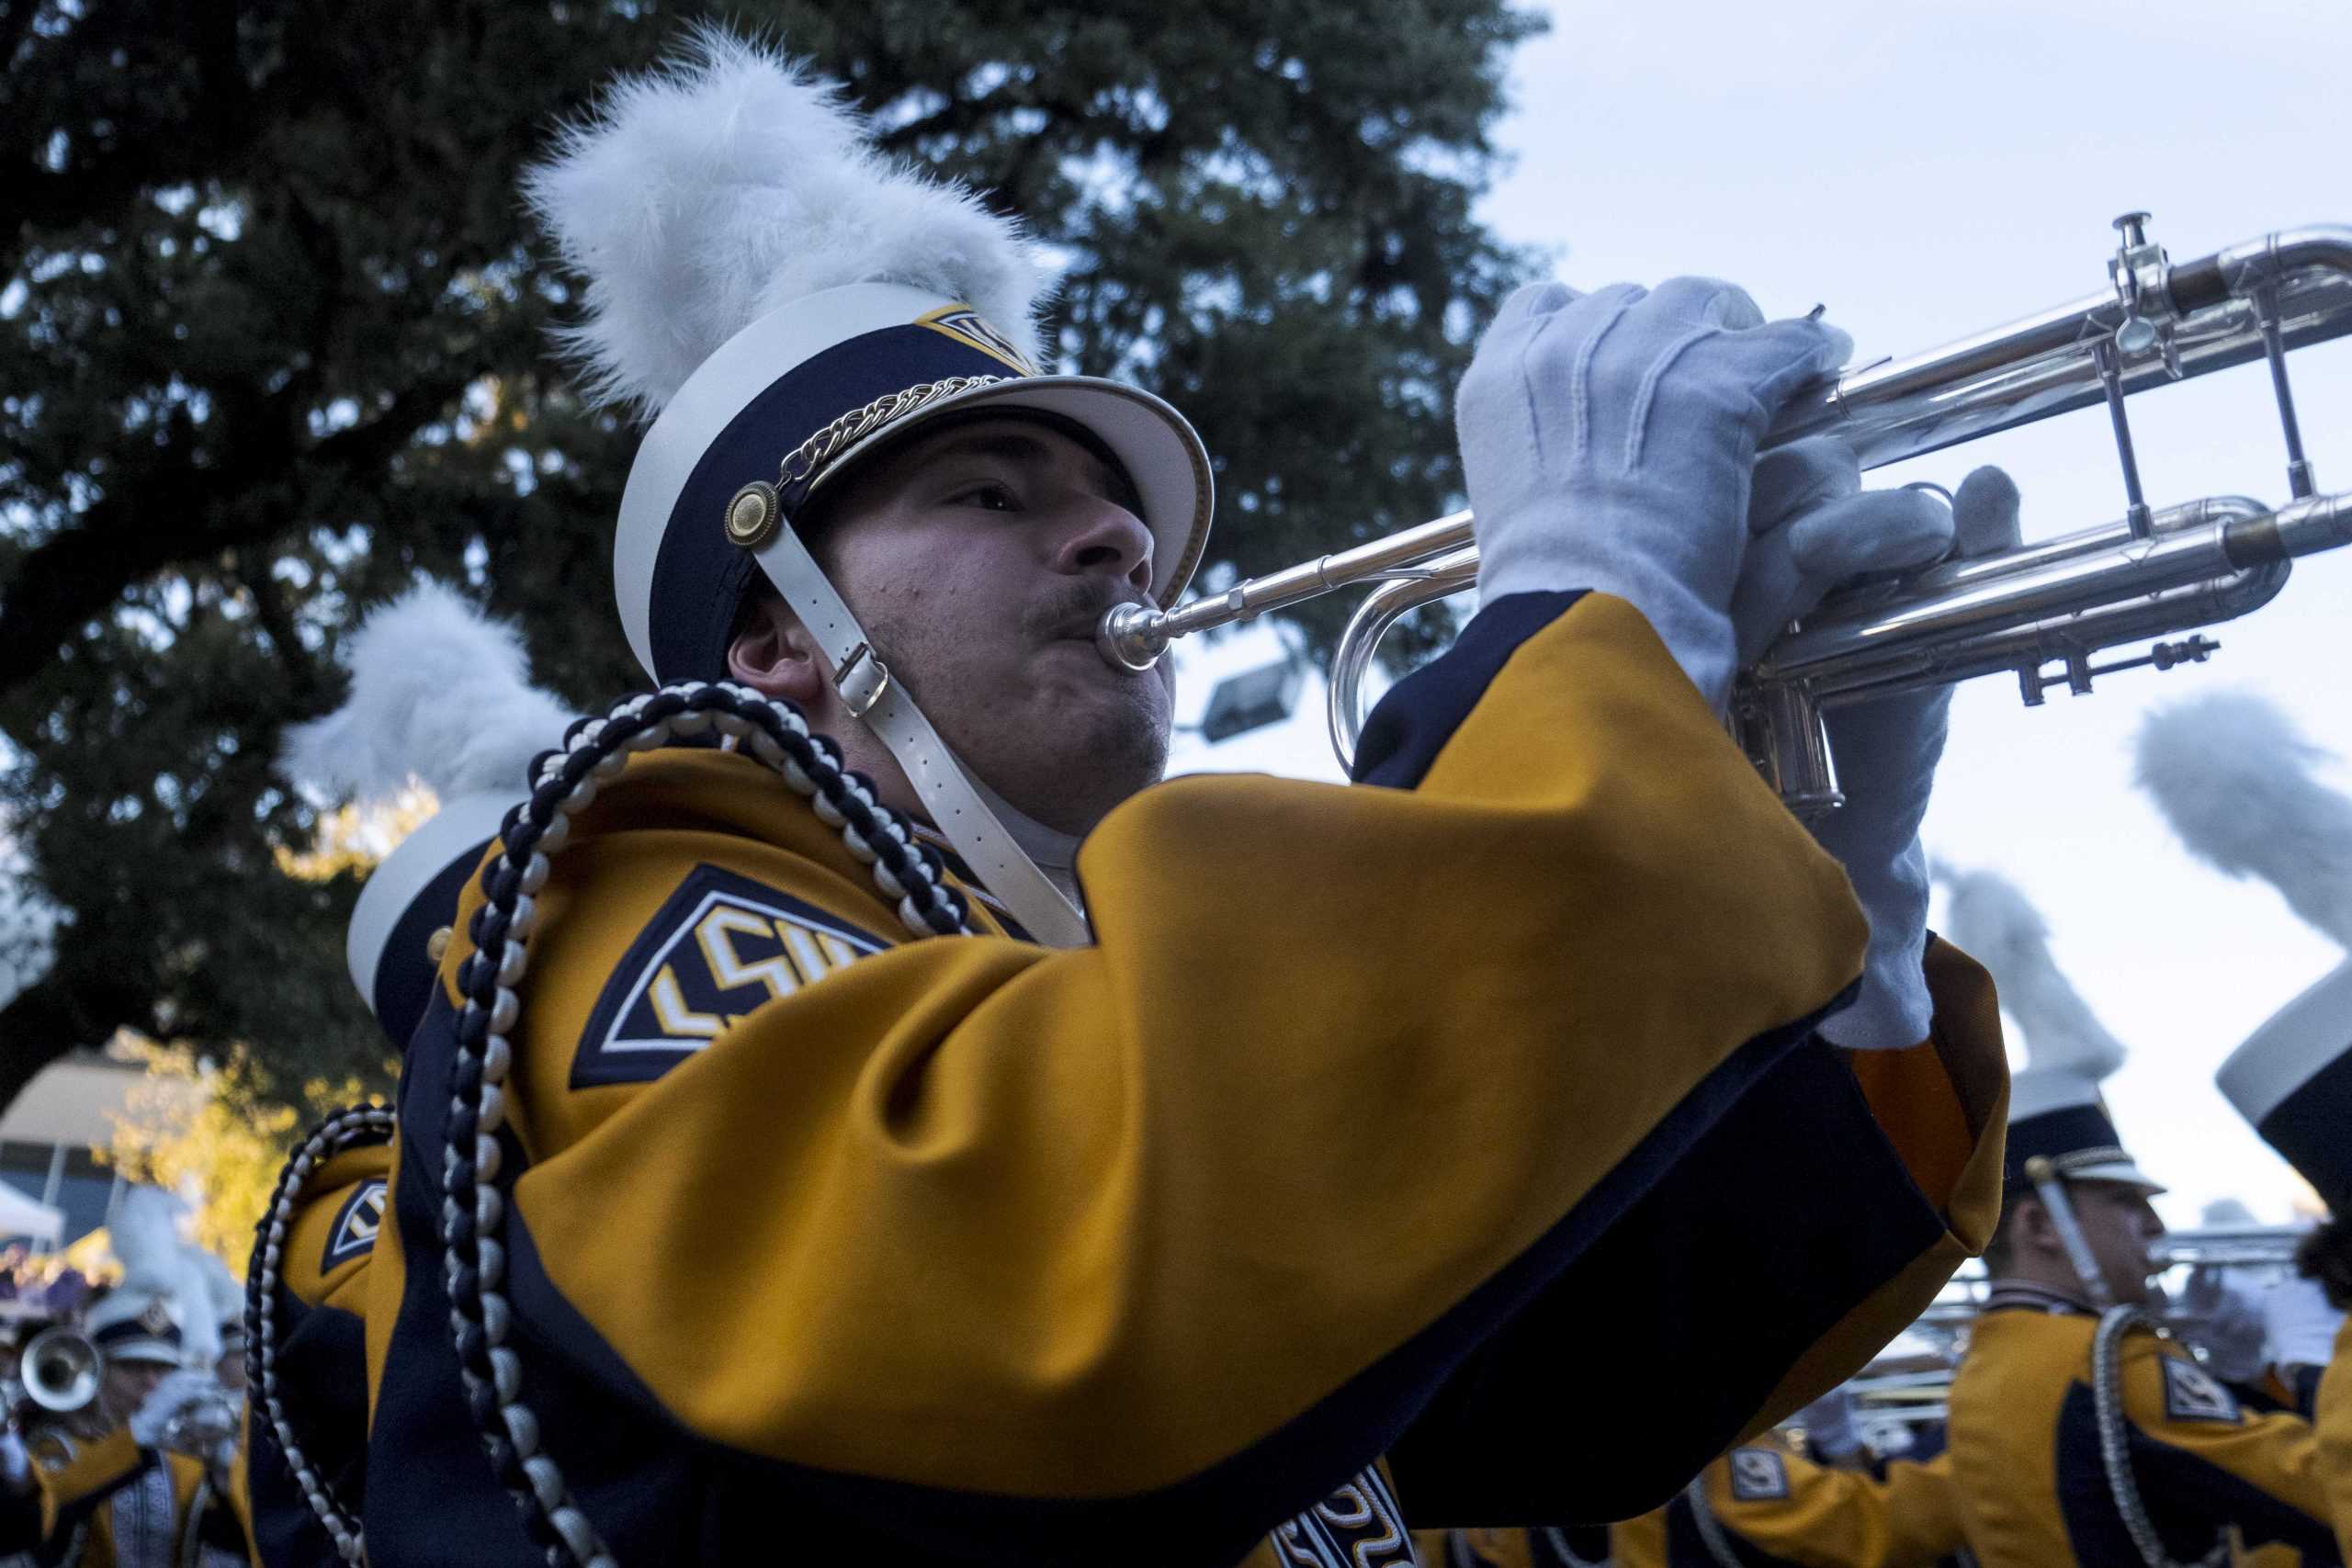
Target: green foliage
272	341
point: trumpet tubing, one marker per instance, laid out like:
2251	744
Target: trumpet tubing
2056	603
2228	1246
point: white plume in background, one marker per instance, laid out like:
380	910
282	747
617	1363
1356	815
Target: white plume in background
143	1229
2239	784
220	1288
439	695
1995	924
704	194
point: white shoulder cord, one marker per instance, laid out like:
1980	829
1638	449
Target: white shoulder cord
946	792
2115	1441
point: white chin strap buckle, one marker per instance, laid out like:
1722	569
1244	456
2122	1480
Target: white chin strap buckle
862	679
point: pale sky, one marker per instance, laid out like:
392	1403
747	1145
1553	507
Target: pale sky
1930	169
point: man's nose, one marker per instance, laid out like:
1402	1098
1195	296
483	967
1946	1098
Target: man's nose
1100	536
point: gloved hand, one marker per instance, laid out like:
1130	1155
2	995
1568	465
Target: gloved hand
1813	526
2298	1324
1828	1423
1608	441
1886	751
178	1389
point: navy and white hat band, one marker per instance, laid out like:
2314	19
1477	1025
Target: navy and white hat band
700	575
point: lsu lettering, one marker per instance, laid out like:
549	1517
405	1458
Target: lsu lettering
1759	1475
2192	1394
721	946
356	1224
973	330
1359	1526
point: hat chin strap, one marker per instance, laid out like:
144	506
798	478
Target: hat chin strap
948	793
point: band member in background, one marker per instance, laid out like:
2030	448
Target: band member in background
311	1408
748	1191
2028	1421
119	1492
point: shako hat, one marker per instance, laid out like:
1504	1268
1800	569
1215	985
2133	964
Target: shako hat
787	298
2240	785
788	301
2292	1079
131	1323
2055	1109
2058	1114
410	897
440	697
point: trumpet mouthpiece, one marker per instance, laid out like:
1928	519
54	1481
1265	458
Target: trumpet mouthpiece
1129	637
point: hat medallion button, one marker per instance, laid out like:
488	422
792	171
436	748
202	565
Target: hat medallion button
753	515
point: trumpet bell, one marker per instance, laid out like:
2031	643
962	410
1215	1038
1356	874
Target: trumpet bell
60	1368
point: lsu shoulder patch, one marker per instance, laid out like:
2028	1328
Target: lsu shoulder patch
2192	1394
720	946
353	1235
1759	1475
1359	1526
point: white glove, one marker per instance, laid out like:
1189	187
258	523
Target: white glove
2299	1324
1608	440
1828	1423
178	1389
1886	749
16	1463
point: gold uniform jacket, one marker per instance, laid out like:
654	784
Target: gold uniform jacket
2331	1420
1369	1111
2025	1447
116	1505
321	1370
1776	1508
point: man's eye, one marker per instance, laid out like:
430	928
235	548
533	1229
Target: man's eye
991	497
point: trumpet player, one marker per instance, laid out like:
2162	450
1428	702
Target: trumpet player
825	1168
114	1494
2080	1433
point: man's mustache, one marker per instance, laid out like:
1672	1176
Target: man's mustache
1072	610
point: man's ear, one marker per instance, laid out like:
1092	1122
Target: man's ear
2032	1229
775	654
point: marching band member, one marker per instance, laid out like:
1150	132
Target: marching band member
2079	1433
122	1498
728	1202
2238	783
312	1403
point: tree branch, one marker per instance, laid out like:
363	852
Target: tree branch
118	543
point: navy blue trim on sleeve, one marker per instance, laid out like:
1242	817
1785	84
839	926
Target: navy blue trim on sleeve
1411	725
1616	1326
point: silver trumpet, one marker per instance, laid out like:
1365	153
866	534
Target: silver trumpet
60	1369
2228	1247
2044	609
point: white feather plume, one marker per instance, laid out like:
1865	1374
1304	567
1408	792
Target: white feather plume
1997	926
440	694
2239	784
704	194
220	1287
143	1229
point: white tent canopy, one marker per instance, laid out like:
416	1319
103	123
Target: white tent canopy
20	1216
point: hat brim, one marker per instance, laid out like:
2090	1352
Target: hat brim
1159	449
150	1350
2124	1173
